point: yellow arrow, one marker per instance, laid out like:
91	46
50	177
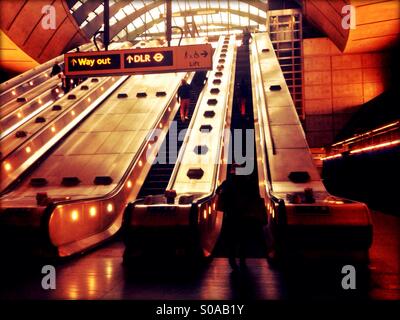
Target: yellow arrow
129	58
158	57
74	62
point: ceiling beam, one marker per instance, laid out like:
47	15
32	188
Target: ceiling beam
93	26
137	32
115	29
83	11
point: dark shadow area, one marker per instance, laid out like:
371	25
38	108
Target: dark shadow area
370	177
319	281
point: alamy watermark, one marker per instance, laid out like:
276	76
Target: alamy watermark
238	146
49	19
349	18
49	280
349	280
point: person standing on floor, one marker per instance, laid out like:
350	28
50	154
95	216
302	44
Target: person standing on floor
233	195
184	92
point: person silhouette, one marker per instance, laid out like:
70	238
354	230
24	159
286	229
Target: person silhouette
184	92
236	194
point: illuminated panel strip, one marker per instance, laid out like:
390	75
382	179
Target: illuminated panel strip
378	146
25	119
366	133
331	157
374	147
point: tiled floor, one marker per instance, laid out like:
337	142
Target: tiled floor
101	275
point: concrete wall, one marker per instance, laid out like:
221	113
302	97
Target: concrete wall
335	85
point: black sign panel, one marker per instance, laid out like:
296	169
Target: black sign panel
94	62
149	59
137	61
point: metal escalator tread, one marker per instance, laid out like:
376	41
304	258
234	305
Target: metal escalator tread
158	177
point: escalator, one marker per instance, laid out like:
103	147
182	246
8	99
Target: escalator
160	172
255	243
185	222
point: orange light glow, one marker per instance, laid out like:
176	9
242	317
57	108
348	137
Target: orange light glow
31	83
169	109
92	211
160	125
40	101
73	113
13	93
140	163
57	91
53	129
74	215
129	184
7	166
377	146
205	214
19	115
102	89
110	207
209	210
28	149
365	134
89	99
331	157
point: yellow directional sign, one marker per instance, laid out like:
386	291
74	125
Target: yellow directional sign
137	61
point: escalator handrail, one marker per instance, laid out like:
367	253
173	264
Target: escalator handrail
121	182
260	115
35	72
211	194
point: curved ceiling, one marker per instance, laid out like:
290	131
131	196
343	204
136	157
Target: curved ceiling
133	20
376	27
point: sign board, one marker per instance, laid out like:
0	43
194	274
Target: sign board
139	61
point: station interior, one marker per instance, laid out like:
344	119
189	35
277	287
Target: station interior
280	172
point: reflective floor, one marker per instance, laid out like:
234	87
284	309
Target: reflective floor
100	274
